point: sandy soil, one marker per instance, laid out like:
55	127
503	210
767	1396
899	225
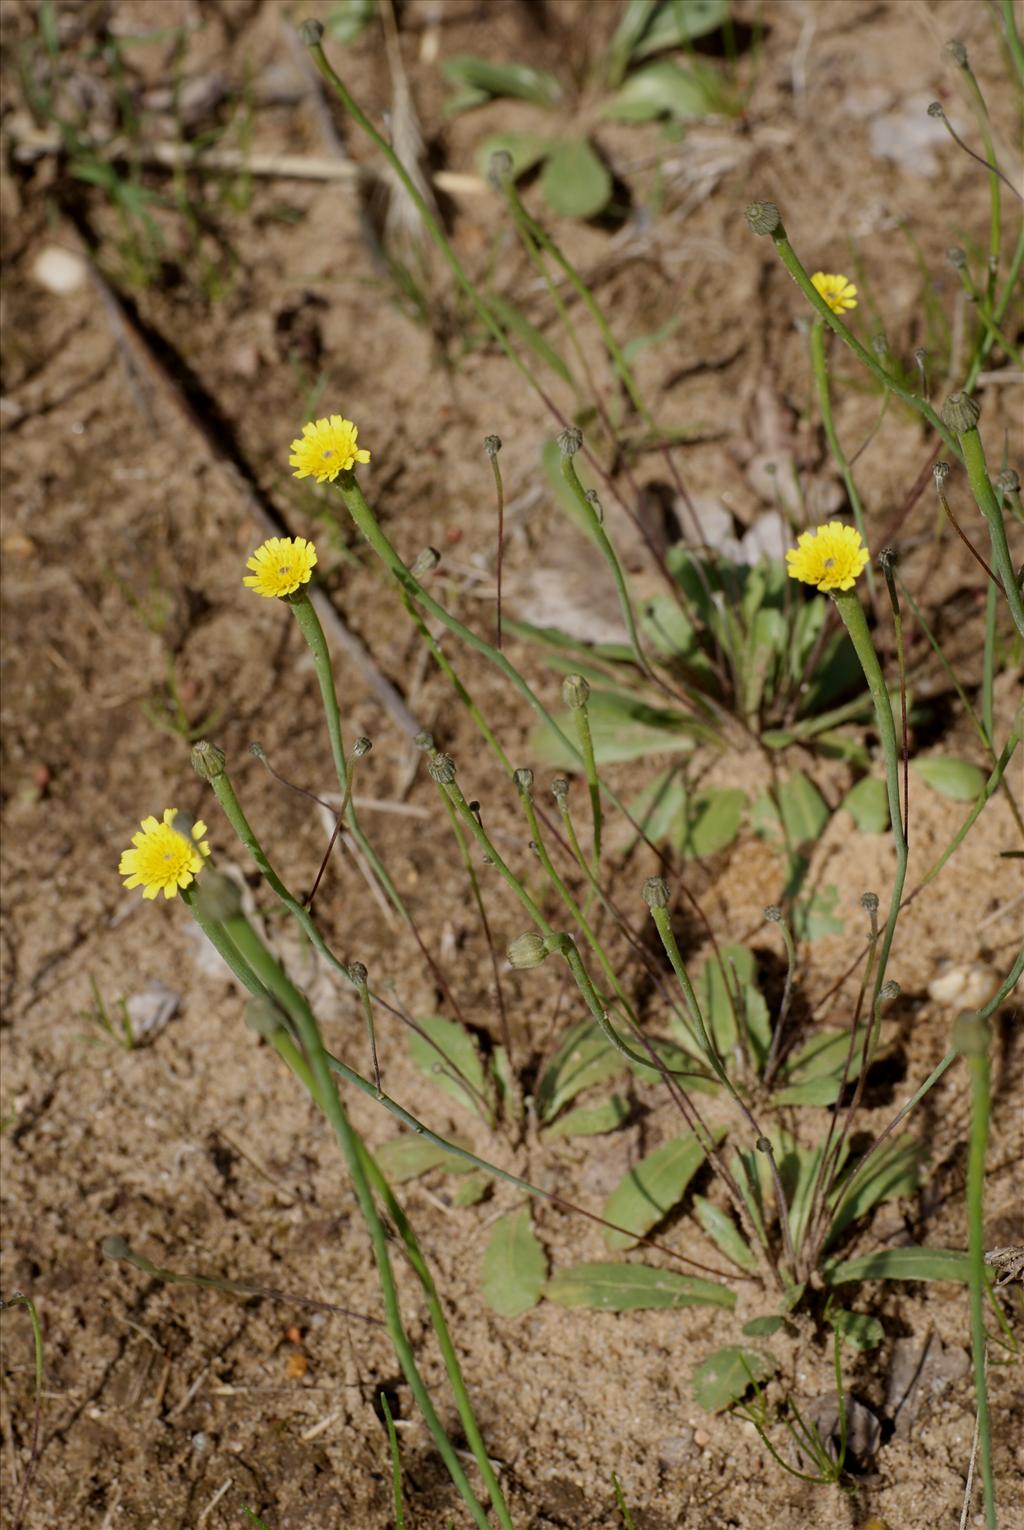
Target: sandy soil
124	538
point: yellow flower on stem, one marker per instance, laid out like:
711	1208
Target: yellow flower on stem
280	566
830	557
325	449
164	859
838	293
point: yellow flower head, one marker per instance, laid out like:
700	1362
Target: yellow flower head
280	566
325	449
831	557
838	293
163	859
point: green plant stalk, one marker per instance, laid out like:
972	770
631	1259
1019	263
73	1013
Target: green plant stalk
1013	39
981	1101
852	615
320	1083
791	261
313	632
985	499
582	717
991	328
988	672
998	313
608	553
819	366
995	193
18	1300
396	1464
667	936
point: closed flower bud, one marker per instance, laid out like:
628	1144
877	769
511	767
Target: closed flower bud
361	748
890	990
424	741
957	52
311	32
763	217
935	109
961	413
207	760
116	1247
1008	481
940	472
560	790
655	892
527	951
595	504
499	168
523	779
442	769
956	257
570	440
773	914
869	902
358	973
425	563
492	446
575	691
880	345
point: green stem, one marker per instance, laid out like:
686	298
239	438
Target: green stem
852	613
819	365
1013	39
998	312
444	664
320	1083
985	499
582	716
995	191
313	632
600	536
973	1039
791	261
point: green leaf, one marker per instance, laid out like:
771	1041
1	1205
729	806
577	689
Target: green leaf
514	1267
407	1157
721	1379
471	1189
650	1189
660	804
720	989
633	1287
585	1057
713	820
640	343
453	1061
763	1327
678	21
815	917
802	808
526	149
632	26
814	1073
516	80
891	1173
660	90
591	1120
515	322
868	805
575	181
724	1233
901	1264
958	779
623	728
856	1328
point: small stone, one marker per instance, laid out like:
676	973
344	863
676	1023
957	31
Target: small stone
701	1438
59	270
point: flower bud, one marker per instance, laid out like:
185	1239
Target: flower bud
957	52
560	790
424	741
527	951
311	32
522	780
264	1016
869	902
361	748
890	990
492	446
499	168
358	973
116	1247
570	440
595	504
442	769
207	760
880	345
773	914
763	217
425	562
935	109
217	898
1008	481
763	1145
956	257
940	472
961	413
575	691
655	892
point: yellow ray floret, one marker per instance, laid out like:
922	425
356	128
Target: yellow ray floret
280	566
831	557
838	293
163	859
325	449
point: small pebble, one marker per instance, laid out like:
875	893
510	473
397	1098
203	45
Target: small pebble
58	270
